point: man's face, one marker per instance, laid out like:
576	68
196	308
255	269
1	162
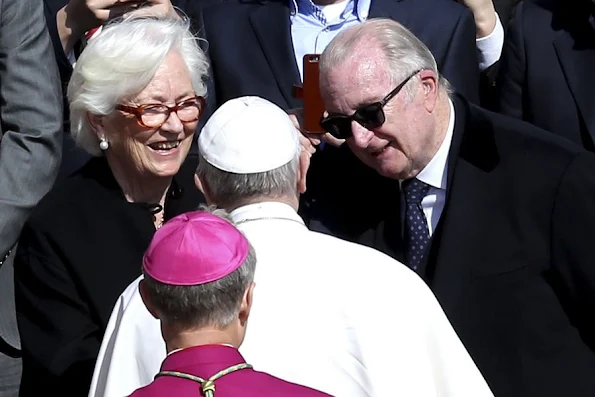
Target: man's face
405	143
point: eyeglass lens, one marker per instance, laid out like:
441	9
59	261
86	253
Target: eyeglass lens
369	116
157	115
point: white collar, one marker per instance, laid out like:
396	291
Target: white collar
265	211
436	171
184	348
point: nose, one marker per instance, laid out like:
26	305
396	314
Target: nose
173	123
360	135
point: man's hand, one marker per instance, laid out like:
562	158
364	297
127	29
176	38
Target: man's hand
309	140
80	16
484	15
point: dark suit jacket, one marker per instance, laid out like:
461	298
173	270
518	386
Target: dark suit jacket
251	50
79	250
30	136
511	261
505	10
548	64
206	361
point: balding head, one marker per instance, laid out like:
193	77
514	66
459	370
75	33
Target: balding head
397	50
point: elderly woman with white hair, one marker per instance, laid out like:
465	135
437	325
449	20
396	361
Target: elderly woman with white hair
136	95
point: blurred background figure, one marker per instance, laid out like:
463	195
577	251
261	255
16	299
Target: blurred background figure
30	147
547	68
198	281
274	36
136	95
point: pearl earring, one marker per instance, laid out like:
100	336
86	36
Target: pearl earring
103	144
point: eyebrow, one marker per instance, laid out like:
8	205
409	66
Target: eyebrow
160	99
359	106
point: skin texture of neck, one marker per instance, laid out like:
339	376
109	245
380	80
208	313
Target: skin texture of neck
140	189
205	336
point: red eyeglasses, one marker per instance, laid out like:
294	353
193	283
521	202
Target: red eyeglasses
154	115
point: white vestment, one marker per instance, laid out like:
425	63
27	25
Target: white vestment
329	314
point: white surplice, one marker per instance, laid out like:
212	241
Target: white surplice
332	315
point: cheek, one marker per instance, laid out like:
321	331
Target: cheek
131	145
137	142
137	153
402	132
190	129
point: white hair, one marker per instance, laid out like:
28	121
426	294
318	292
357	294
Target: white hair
121	61
404	52
229	190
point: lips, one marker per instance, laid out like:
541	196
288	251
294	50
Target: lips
378	151
164	145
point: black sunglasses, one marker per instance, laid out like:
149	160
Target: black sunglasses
369	116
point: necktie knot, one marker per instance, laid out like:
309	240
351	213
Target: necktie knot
414	190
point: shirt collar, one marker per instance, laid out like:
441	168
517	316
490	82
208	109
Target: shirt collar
436	171
183	348
203	360
265	210
362	7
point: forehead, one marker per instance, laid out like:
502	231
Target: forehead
171	80
361	79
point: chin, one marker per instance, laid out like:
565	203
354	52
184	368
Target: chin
392	170
166	170
388	173
168	164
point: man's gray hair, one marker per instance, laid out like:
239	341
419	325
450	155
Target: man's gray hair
230	190
214	304
404	52
121	61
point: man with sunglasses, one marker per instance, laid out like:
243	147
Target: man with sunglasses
495	215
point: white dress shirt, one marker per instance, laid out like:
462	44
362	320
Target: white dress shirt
435	174
489	48
332	315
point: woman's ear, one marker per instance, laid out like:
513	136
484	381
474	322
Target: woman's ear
96	123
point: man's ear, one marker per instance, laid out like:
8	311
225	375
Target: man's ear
429	83
142	289
246	305
304	165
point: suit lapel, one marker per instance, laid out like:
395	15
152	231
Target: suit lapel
272	27
577	58
473	154
397	10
